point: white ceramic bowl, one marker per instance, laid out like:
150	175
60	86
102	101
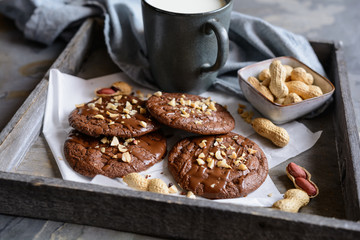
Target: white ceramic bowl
277	113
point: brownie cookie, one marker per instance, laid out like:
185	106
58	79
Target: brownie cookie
122	116
191	113
112	156
216	167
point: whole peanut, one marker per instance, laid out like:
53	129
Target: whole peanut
267	129
136	181
122	87
157	185
293	200
289	69
262	89
265	77
300	74
278	75
292	98
303	90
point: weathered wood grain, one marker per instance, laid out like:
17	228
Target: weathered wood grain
22	130
347	137
39	161
165	216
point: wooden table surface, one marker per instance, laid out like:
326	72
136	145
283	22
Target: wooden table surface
23	63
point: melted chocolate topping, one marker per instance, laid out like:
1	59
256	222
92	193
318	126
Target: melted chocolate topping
210	182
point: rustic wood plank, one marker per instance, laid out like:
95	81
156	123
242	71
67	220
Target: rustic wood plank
323	52
22	130
39	161
165	216
22	228
57	230
321	160
347	137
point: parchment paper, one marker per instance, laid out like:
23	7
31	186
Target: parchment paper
65	91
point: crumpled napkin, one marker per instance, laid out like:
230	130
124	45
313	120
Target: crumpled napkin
251	39
65	91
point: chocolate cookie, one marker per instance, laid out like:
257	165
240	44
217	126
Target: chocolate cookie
216	167
190	113
122	116
112	156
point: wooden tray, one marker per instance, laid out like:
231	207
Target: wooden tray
31	186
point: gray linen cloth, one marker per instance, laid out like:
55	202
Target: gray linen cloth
251	39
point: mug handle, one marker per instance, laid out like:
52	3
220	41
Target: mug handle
223	45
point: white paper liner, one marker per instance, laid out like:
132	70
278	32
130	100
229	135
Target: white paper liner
65	91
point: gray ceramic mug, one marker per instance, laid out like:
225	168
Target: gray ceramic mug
186	50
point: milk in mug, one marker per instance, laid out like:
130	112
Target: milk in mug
187	6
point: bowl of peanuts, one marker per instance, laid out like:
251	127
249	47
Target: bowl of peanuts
284	89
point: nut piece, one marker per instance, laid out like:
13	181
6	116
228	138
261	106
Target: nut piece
251	151
202	144
242	167
262	89
307	186
190	194
218	155
267	129
172	102
302	179
115	141
278	75
126	157
143	124
99	116
103	92
223	164
158	94
200	161
122	87
296	171
173	189
211	163
79	105
135	180
293	200
265	77
157	185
